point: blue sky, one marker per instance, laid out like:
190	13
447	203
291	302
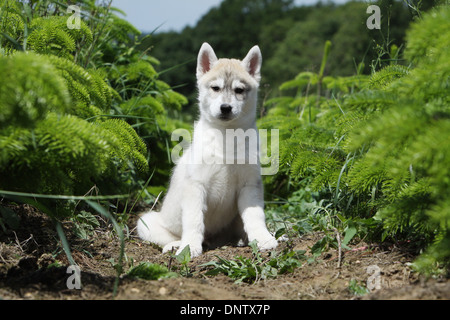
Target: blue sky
147	15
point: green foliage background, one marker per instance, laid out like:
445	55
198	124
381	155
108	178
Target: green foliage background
363	114
80	108
375	148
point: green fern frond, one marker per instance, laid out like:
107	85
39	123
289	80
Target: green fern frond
346	84
131	148
429	37
369	101
67	155
121	29
86	87
168	97
29	88
383	78
52	158
11	24
364	176
278	101
300	81
139	69
145	107
50	35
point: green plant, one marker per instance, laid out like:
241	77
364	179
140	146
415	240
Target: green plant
253	269
84	224
357	289
57	105
375	151
150	271
78	113
50	35
184	257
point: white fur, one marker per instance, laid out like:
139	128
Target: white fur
211	202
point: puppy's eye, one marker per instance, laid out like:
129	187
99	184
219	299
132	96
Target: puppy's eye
215	88
239	91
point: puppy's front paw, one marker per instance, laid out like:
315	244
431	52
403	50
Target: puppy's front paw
268	243
171	246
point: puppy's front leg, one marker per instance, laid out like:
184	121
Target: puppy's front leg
192	207
251	206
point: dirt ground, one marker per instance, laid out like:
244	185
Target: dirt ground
33	266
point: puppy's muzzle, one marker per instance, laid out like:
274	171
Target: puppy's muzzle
225	110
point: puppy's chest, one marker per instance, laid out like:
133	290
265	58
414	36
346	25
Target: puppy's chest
221	205
222	187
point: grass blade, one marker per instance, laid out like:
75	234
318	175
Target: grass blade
64	242
105	213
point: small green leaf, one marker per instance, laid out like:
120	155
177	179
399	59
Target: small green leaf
319	246
88	218
357	289
254	246
349	234
185	255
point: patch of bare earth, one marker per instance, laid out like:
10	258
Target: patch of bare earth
34	266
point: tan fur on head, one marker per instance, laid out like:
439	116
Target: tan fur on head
228	69
207	61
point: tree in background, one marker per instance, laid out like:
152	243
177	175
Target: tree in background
291	39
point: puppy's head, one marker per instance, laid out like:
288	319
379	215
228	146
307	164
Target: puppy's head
228	87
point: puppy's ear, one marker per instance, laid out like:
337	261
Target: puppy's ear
252	63
206	59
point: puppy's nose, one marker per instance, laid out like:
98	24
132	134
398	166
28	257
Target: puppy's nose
226	109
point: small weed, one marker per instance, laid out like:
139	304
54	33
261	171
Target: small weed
184	258
357	289
251	270
151	271
84	224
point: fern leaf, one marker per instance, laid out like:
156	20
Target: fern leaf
387	75
29	88
50	35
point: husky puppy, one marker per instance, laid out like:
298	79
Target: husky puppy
211	200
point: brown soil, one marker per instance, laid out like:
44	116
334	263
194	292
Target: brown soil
33	266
